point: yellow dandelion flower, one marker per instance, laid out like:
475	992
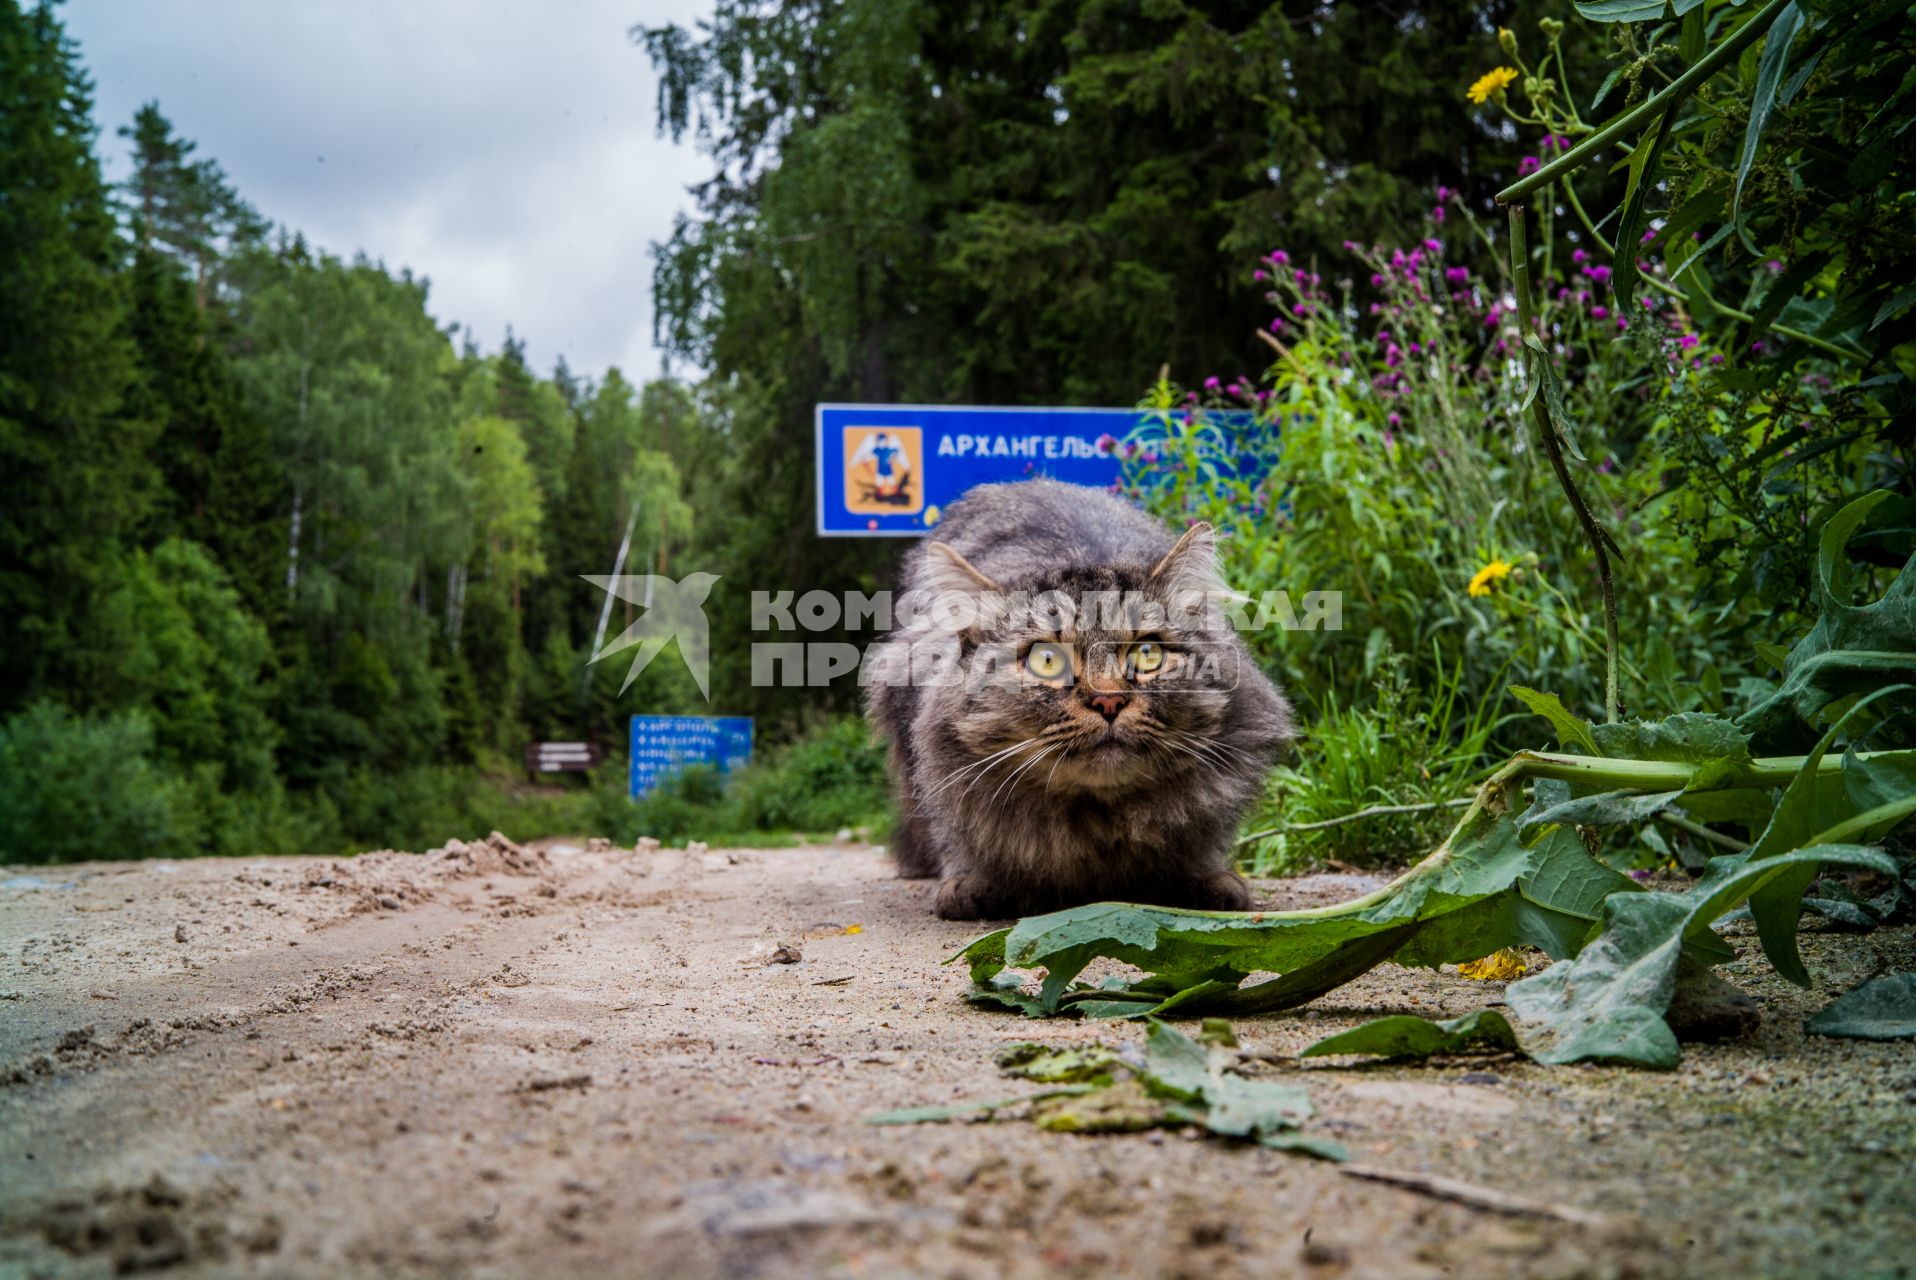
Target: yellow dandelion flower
1486	578
1498	966
1492	83
854	928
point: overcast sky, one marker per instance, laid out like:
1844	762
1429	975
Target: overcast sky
507	151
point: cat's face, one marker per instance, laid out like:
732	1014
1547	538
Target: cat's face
1093	680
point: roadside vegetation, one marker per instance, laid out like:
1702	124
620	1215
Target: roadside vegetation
292	569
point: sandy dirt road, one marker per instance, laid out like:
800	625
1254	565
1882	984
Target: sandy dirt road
495	1061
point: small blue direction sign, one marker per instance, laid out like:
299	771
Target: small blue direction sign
889	470
661	745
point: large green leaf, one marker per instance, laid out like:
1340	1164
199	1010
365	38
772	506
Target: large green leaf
1712	742
1405	1036
1769	76
1632	10
1881	1009
1571	729
1811	809
1851	649
1483	890
1608	1004
1605	808
1636	196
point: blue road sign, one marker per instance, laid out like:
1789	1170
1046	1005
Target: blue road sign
661	745
889	470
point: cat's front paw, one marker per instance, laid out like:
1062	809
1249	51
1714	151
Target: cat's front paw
966	897
1219	891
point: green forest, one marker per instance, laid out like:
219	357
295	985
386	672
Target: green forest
286	567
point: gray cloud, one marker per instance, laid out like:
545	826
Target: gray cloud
506	151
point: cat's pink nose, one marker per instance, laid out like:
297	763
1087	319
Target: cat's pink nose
1109	704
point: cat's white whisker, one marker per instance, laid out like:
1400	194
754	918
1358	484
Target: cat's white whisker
1013	775
1003	758
956	774
1220	752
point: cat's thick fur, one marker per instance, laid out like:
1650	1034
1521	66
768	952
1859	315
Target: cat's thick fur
1024	795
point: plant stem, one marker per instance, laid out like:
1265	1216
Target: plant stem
1659	775
1597	771
1702	832
1547	432
1375	811
1883	815
1641	114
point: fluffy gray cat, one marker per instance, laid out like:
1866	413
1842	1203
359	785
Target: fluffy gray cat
1071	719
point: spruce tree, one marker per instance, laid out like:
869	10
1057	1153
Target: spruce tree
74	474
182	207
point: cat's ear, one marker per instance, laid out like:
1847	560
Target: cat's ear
1191	566
948	573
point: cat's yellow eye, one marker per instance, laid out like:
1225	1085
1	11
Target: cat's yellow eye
1047	662
1147	657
